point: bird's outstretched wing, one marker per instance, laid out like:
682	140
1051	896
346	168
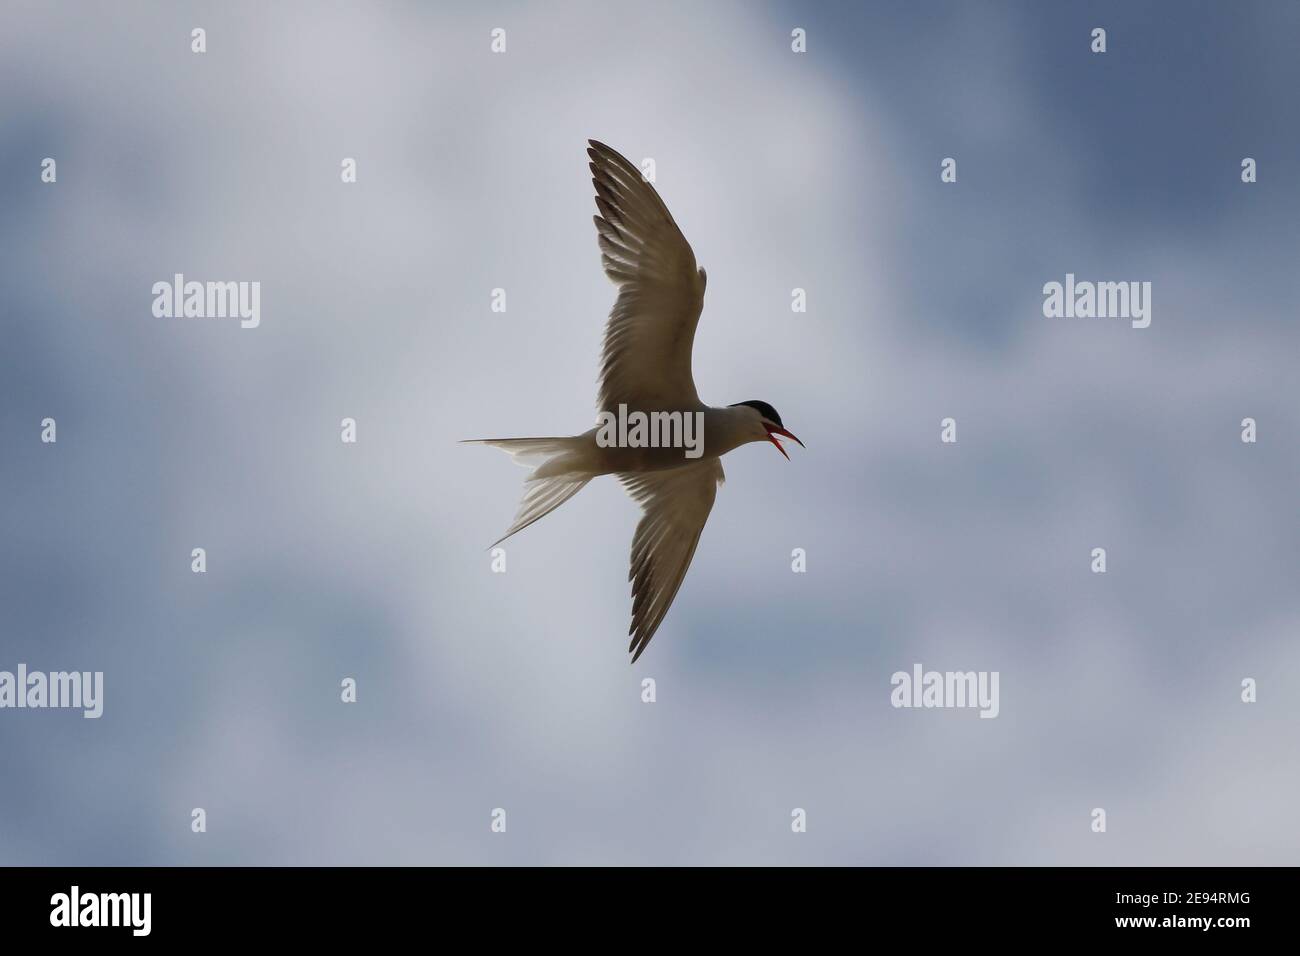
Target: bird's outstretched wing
646	362
675	505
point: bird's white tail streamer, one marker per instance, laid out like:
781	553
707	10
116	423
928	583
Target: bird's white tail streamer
554	479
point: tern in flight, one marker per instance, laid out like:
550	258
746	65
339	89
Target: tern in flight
645	368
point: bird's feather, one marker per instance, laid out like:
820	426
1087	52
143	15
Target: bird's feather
675	505
646	361
541	497
558	474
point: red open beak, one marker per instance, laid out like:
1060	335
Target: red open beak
778	430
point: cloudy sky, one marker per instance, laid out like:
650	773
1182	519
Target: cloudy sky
478	690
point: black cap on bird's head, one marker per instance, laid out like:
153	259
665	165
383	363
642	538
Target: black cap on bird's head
764	409
772	423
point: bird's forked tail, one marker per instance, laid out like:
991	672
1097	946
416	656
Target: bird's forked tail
558	474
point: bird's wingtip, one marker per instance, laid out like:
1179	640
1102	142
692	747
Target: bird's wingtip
637	645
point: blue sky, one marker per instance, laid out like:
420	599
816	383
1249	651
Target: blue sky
480	690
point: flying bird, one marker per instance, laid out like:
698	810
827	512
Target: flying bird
645	370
